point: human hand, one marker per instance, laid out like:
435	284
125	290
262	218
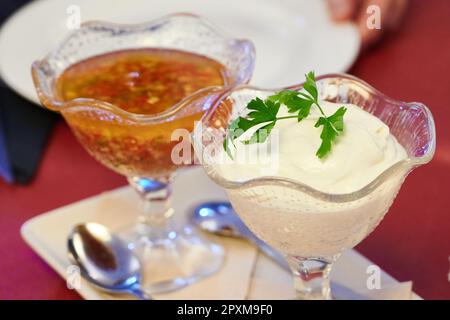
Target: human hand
391	11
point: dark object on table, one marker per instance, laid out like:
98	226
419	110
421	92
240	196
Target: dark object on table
5	166
24	127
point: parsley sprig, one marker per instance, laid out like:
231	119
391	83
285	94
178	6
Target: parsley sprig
264	112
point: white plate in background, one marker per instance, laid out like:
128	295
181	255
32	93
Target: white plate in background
291	37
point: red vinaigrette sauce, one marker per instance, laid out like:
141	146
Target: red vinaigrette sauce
141	81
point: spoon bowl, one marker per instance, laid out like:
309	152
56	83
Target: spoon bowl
221	219
105	260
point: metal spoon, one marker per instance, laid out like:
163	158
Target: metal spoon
220	218
105	260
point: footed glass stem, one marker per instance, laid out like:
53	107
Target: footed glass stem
171	257
312	277
155	206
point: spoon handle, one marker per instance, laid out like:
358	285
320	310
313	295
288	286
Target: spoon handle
140	294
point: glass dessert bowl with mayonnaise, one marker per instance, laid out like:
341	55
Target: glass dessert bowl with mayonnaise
310	207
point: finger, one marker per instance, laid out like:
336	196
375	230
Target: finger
398	10
371	12
342	10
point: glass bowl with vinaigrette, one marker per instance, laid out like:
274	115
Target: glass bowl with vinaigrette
124	90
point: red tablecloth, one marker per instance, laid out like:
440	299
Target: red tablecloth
413	241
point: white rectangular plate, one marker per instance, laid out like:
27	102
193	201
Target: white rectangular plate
245	275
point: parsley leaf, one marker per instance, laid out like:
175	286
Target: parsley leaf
292	100
260	135
283	96
301	106
310	86
261	112
332	127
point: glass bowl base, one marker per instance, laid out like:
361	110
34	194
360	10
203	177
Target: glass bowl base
173	259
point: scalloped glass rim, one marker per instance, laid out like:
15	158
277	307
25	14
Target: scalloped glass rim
140	118
405	165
